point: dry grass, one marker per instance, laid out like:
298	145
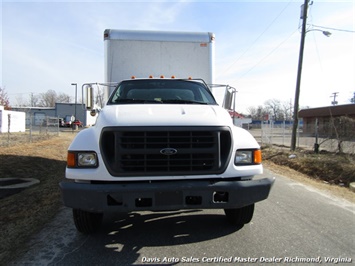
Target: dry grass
24	214
337	169
330	172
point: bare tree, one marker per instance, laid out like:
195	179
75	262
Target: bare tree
34	99
48	99
287	110
258	113
4	99
63	98
20	102
274	107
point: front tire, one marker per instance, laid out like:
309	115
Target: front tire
87	222
240	216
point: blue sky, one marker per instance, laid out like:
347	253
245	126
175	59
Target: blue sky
51	44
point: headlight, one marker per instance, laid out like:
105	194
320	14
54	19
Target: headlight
247	157
87	159
82	159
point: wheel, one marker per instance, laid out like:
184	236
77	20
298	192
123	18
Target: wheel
87	222
240	216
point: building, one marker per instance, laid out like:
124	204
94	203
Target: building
36	115
11	121
323	116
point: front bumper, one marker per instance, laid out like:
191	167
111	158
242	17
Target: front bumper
164	195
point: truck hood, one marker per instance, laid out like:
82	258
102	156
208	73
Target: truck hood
163	115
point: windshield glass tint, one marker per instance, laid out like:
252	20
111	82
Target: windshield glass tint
161	91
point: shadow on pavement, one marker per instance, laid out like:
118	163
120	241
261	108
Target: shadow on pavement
123	235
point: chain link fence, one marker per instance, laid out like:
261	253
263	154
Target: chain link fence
37	128
269	134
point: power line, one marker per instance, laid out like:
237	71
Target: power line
266	29
272	51
328	28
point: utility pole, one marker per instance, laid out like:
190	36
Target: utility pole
76	93
299	73
334	95
31	95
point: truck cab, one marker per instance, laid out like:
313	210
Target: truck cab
163	144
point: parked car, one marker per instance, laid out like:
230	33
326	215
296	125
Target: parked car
77	122
68	119
68	123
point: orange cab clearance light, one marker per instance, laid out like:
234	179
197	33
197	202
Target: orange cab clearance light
151	76
172	76
162	76
133	77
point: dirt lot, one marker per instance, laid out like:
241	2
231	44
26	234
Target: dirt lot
25	213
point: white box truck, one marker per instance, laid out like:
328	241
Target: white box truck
162	142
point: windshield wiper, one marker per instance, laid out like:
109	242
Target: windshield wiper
136	101
175	101
183	101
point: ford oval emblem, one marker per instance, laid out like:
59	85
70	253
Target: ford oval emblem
168	151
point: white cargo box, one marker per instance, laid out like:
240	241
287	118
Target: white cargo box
145	53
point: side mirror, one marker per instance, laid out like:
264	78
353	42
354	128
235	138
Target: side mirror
94	112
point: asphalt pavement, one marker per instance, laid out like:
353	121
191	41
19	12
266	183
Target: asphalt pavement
297	224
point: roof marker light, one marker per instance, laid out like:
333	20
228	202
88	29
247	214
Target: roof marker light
133	77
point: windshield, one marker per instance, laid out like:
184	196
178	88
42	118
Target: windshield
161	91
